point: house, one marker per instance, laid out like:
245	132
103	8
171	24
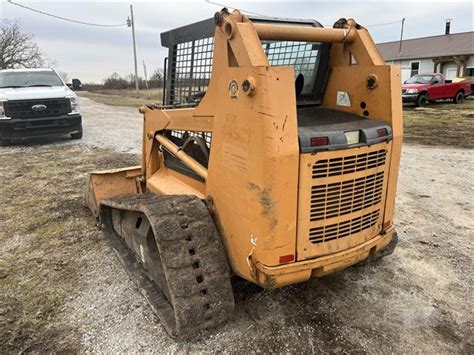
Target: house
449	54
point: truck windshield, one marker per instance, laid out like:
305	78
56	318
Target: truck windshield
29	79
419	79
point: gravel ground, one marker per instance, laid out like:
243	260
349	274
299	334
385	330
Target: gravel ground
115	127
418	299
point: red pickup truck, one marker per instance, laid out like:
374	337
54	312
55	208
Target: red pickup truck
421	88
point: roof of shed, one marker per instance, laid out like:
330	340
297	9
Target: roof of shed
429	47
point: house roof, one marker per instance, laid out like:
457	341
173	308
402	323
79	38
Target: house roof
429	47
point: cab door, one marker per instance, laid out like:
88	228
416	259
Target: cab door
437	87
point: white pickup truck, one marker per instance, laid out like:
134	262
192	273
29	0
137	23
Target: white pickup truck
36	103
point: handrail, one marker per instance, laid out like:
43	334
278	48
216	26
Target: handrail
304	34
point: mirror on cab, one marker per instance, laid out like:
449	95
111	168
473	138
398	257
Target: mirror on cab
76	85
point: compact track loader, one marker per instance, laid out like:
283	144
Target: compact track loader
274	158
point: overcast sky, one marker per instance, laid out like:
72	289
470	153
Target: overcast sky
93	53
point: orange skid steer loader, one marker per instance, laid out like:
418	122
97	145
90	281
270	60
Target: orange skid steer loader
274	157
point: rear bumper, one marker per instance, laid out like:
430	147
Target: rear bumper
18	128
278	276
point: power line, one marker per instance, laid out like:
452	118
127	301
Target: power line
384	24
64	18
230	7
258	14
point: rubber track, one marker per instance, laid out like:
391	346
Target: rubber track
192	255
388	250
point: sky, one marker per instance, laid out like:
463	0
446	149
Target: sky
93	53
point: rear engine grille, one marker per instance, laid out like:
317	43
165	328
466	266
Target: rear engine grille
343	229
340	198
349	164
23	108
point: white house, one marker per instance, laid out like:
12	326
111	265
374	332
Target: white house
449	54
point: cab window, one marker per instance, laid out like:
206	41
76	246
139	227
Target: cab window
436	79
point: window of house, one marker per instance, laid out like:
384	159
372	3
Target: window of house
414	68
451	73
469	72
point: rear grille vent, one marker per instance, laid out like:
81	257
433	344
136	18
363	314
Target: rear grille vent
343	229
349	164
340	198
23	108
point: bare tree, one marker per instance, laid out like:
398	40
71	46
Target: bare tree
63	75
17	48
156	79
115	81
157	75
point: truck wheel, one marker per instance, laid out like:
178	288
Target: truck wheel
77	135
421	100
459	98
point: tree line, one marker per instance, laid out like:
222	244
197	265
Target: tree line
115	81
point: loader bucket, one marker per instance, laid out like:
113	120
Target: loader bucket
109	183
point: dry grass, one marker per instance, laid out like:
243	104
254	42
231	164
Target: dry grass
44	231
441	123
125	97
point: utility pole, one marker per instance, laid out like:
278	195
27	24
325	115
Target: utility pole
131	23
401	36
146	81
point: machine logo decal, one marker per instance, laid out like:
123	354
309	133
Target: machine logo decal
39	107
233	89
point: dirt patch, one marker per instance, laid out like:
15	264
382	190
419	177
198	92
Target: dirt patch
442	124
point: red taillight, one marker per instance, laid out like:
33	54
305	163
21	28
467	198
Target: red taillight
286	258
382	132
386	225
319	141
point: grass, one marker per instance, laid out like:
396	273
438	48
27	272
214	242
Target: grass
441	123
44	230
125	97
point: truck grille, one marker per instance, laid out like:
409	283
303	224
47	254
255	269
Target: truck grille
23	108
343	229
343	197
349	164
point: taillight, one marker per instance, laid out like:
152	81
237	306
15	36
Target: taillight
319	141
286	258
382	132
